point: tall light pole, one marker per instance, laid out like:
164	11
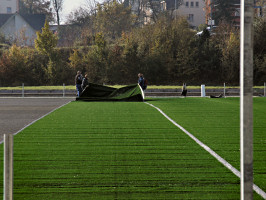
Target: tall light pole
246	99
211	13
175	9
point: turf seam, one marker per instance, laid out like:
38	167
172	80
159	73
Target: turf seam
209	150
38	119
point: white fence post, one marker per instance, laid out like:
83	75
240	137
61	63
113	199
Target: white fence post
203	91
63	90
8	167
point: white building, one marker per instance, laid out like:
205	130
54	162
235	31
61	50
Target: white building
21	28
193	10
9	6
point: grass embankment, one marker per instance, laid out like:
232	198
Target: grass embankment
105	150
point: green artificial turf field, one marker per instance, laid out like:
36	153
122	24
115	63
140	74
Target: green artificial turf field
128	150
216	122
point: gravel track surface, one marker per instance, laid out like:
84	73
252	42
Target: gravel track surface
16	113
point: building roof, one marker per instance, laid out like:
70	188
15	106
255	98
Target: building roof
36	21
4	18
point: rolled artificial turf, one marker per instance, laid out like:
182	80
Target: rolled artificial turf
128	150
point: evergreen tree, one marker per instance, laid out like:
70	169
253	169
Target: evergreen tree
58	6
46	41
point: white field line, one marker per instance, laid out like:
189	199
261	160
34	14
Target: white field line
38	119
208	149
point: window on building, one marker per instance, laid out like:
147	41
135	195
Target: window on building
190	17
187	4
197	4
8	10
191	4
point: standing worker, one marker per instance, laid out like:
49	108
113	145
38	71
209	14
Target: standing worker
142	82
85	82
78	82
184	90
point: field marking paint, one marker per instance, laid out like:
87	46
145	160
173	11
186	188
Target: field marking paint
208	149
142	92
38	119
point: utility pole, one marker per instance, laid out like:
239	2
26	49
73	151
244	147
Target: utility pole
175	9
246	99
211	13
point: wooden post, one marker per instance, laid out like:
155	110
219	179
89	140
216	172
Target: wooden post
246	99
8	167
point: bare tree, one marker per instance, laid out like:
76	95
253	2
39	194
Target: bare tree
79	16
57	5
36	7
91	6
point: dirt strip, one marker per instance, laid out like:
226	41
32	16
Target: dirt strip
16	113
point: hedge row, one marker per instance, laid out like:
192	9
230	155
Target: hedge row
167	53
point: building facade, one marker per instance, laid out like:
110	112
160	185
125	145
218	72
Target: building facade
9	6
260	8
193	10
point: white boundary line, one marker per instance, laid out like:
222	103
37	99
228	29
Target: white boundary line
38	119
142	93
208	149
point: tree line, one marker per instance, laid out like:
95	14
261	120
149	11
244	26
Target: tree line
167	52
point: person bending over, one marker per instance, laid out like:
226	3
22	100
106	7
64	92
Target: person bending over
85	82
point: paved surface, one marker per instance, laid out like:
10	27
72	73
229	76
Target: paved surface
16	113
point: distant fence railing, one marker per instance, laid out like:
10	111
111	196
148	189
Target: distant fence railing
225	91
149	92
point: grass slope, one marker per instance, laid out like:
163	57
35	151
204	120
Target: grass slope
106	150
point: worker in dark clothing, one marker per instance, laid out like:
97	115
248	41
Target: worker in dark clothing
184	90
85	82
142	82
78	82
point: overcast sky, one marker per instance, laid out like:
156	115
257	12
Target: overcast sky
70	5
